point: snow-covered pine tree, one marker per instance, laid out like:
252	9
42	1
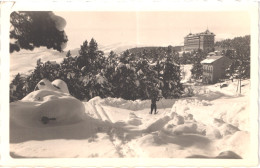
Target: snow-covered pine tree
159	68
111	59
110	72
242	55
35	76
32	29
90	57
125	57
238	49
197	70
17	90
90	62
125	78
102	87
144	78
172	88
230	71
97	58
72	75
83	58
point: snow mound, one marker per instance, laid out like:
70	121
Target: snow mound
188	117
217	112
222	155
178	120
61	85
56	85
188	128
44	84
96	100
228	155
134	120
61	107
158	124
227	129
238	142
237	115
213	132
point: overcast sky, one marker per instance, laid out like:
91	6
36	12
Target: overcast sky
150	28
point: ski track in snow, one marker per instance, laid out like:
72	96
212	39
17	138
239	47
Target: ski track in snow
103	112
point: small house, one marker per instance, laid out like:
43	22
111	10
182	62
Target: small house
214	68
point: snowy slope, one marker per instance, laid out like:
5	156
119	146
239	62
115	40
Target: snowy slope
213	123
24	61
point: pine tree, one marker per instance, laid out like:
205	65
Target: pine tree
111	59
172	88
83	58
68	54
90	57
34	29
124	58
197	68
126	81
145	78
17	89
35	76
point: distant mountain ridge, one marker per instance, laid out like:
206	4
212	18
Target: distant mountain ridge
24	61
141	49
116	47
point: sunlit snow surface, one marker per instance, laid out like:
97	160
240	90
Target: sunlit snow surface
213	123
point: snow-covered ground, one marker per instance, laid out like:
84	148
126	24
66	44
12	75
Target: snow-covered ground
212	123
186	73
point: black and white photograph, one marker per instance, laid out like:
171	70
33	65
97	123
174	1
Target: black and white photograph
136	84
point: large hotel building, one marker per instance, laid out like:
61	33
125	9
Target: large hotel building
204	41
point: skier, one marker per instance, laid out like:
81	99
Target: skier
154	97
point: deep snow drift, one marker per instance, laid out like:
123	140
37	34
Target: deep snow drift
49	102
212	123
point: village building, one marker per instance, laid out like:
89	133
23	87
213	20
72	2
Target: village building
204	41
214	68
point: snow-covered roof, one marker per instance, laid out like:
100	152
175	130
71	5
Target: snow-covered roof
210	60
212	53
207	32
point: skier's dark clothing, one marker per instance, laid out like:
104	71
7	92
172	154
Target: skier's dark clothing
153	106
154	98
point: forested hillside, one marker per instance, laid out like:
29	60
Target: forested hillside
238	50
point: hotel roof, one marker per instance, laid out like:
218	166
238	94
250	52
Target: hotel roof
207	32
210	60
